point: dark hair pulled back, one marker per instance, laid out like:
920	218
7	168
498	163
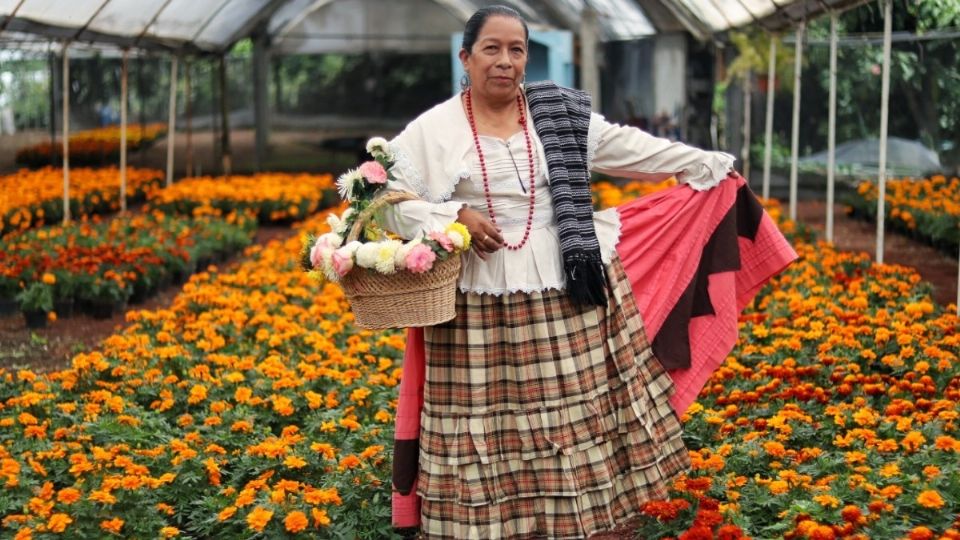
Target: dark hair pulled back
477	20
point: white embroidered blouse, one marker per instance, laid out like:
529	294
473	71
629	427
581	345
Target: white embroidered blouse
437	160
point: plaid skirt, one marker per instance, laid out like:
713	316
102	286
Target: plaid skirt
542	419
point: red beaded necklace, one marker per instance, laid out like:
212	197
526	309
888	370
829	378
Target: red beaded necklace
483	168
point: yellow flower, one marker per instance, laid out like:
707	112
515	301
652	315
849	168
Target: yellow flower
169	532
49	278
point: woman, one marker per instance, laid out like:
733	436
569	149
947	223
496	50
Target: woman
545	411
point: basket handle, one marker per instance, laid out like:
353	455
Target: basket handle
392	197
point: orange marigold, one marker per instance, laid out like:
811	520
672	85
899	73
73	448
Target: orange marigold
58	522
930	499
295	522
258	518
112	526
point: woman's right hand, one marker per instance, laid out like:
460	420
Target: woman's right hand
485	238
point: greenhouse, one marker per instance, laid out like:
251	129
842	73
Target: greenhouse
659	269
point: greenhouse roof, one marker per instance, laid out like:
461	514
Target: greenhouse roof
317	25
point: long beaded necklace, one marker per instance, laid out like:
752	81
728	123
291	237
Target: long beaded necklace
483	169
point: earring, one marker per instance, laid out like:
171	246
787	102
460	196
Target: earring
464	81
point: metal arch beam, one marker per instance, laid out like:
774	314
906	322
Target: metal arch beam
90	20
150	23
209	20
263	14
691	22
294	21
461	9
10	17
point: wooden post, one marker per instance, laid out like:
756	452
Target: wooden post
172	120
832	128
884	115
224	116
188	103
795	127
123	130
768	131
747	120
66	133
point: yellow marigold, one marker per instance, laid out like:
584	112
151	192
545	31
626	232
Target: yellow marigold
258	518
49	278
112	526
294	462
827	501
58	522
169	532
930	499
295	522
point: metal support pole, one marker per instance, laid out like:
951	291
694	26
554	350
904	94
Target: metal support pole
884	115
172	120
52	61
188	98
66	133
795	127
590	73
261	96
747	121
224	116
123	129
768	131
832	127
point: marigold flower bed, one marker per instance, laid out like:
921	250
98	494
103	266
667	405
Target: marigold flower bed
92	147
253	405
272	197
103	265
32	198
928	209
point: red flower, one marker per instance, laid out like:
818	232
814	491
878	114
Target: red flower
697	533
729	532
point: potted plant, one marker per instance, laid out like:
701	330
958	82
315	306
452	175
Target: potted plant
36	301
106	295
63	292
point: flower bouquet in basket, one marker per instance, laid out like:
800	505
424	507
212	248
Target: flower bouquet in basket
390	282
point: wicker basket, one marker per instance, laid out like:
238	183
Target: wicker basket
402	299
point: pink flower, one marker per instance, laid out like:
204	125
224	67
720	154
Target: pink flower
316	257
342	261
373	172
420	259
442	239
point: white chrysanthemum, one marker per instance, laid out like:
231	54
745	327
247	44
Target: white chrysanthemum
334	222
347	182
456	238
367	255
386	255
330	239
378	146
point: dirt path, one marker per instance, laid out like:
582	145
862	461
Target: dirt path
51	348
850	234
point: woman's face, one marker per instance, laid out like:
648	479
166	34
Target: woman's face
499	57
